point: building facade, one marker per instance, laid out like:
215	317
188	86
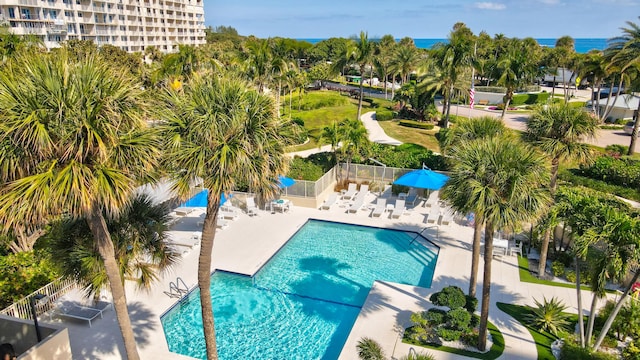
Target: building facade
131	25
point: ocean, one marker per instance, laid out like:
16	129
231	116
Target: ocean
582	45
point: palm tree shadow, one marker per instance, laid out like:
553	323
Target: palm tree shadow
104	336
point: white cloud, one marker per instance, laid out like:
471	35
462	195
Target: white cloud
489	6
550	2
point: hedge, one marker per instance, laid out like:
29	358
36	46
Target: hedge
384	115
529	99
503	90
621	172
416	124
599	185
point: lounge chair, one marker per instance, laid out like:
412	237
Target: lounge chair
326	205
73	310
381	206
351	191
433	198
412	197
398	209
229	212
434	214
364	190
252	209
447	217
357	204
182	211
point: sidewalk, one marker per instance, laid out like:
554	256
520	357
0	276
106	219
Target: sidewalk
376	134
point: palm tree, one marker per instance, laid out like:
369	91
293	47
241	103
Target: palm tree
85	146
626	50
364	59
383	58
405	60
503	178
354	138
454	192
222	131
557	130
139	235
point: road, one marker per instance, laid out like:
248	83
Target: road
519	122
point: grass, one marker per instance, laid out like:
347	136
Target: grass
496	349
323	108
542	339
425	138
526	276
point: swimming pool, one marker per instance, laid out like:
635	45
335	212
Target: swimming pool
304	301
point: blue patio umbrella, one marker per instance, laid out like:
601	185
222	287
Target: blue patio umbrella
285	182
200	199
424	178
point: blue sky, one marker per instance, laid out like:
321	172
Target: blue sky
423	18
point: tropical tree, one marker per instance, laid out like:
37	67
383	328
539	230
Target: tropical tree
503	177
383	59
354	139
364	58
140	239
626	51
557	130
517	67
454	192
405	60
224	132
80	129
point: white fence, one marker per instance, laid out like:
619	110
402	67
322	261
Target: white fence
311	189
53	290
372	173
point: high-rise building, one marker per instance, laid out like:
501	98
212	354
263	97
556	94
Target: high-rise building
131	25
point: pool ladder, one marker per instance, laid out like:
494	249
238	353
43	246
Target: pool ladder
175	291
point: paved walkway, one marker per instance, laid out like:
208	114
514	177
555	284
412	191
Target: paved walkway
376	134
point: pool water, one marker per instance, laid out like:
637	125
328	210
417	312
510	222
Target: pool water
304	301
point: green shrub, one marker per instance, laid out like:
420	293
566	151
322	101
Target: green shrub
557	267
576	104
611	127
449	334
599	185
452	297
435	316
573	351
565	258
302	169
384	115
416	124
571	276
369	349
632	351
616	149
408	156
23	273
548	316
418	356
529	99
623	172
459	319
471	303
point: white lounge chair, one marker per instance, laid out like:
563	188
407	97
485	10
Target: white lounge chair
364	190
351	191
357	204
381	206
229	212
326	205
433	198
447	216
182	211
72	310
252	209
398	209
434	214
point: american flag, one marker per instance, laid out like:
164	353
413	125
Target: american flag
472	95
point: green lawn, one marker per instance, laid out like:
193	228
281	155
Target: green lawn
496	349
425	138
526	276
543	339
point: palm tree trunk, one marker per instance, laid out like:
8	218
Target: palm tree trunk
553	88
100	233
614	313
385	85
486	287
579	296
475	256
508	95
445	124
609	108
361	92
592	318
544	248
204	273
597	101
278	98
634	133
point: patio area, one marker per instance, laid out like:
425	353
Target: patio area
249	242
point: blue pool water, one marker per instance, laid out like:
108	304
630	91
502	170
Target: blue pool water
304	301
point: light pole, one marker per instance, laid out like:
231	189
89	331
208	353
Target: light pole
32	302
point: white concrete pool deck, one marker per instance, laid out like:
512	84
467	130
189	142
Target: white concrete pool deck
250	241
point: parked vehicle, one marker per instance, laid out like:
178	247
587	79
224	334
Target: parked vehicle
628	128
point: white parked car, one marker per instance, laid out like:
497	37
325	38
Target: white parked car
628	128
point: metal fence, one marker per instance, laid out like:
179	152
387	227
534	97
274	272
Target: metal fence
372	173
311	189
53	291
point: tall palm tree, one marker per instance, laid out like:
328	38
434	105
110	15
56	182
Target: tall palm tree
139	234
364	58
454	192
504	178
222	131
383	59
85	146
354	138
405	60
557	130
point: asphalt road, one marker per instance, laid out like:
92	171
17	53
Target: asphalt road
519	122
